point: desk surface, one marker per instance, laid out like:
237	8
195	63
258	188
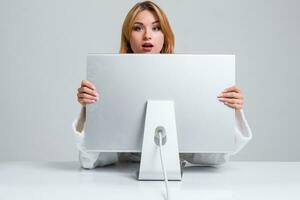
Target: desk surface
66	180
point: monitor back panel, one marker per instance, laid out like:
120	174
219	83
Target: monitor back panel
125	82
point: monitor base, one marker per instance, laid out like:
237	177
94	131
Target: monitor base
160	117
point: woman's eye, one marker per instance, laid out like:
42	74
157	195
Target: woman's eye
157	28
137	28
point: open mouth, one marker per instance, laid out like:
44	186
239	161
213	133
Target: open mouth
147	46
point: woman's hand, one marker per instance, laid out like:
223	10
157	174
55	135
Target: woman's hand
232	97
87	93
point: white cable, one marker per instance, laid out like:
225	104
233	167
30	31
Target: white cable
163	166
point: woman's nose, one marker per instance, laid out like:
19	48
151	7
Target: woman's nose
147	35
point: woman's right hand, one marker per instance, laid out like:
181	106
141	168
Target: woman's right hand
87	93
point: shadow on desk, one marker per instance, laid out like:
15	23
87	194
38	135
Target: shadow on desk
124	169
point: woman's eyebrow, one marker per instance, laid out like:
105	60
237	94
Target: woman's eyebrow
143	24
138	23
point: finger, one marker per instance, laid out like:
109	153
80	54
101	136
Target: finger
88	91
233	105
232	89
86	96
231	95
232	101
85	101
80	101
88	84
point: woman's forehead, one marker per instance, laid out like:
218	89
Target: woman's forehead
146	17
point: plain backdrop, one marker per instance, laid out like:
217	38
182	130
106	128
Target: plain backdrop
43	48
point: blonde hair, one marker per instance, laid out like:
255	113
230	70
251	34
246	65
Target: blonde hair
169	38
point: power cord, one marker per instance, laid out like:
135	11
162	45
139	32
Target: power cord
162	164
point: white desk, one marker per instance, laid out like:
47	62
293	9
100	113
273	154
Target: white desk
66	180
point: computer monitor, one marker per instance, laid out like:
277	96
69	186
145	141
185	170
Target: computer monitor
191	83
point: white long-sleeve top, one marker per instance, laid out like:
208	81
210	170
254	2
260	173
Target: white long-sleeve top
91	160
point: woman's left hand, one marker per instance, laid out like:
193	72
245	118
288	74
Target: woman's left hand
232	97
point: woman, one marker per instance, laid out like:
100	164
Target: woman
146	30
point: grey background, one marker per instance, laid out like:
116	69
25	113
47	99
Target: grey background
43	48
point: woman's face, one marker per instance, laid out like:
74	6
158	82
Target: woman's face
146	35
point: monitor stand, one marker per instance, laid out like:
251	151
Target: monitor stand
160	116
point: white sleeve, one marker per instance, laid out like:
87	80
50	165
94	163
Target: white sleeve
205	159
243	132
90	160
242	136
